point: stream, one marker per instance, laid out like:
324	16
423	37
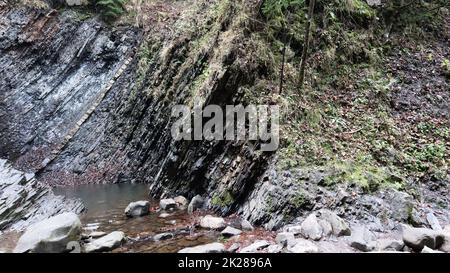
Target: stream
105	212
105	205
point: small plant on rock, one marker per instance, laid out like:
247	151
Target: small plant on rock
110	9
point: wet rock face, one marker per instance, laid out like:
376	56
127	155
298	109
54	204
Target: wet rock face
81	106
24	200
54	69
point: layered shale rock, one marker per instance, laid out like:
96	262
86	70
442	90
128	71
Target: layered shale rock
24	200
87	103
55	72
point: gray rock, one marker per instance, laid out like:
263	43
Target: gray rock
334	246
433	221
71	3
310	228
211	222
390	244
255	247
230	232
285	238
91	227
296	230
51	235
338	225
416	219
401	205
407	249
97	234
374	2
208	248
196	203
418	238
25	201
388	252
167	204
303	246
429	250
234	247
362	239
164	215
137	209
326	227
246	225
163	236
106	243
446	245
181	201
274	249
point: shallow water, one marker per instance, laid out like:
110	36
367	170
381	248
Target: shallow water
105	206
105	212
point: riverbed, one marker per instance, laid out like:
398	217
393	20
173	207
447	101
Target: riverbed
105	205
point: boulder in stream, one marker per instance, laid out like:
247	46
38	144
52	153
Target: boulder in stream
137	209
181	201
106	243
246	225
51	235
211	222
163	236
196	203
208	248
167	204
230	232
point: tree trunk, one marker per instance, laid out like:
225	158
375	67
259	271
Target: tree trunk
306	45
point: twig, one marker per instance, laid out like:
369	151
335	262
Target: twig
306	45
